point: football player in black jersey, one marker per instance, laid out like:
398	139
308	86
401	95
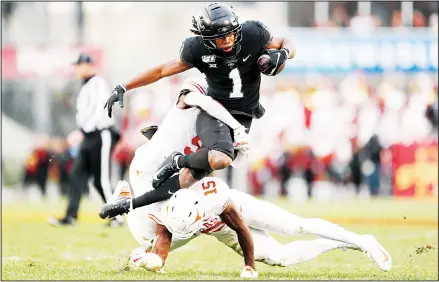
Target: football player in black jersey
227	53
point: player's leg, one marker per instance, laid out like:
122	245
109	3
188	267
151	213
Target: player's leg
100	158
217	143
79	180
217	152
266	216
271	252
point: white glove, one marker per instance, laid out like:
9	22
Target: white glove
240	159
149	261
242	139
249	273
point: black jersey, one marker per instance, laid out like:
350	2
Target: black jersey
235	84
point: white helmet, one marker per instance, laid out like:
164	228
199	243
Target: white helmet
183	214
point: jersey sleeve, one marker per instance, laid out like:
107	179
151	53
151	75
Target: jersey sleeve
265	34
186	53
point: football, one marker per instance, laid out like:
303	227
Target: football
153	262
264	59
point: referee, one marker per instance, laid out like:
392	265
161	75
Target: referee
96	138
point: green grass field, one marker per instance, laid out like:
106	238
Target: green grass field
32	249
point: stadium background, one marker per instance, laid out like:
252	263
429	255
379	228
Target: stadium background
351	108
353	116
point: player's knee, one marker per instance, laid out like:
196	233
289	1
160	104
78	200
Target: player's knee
219	160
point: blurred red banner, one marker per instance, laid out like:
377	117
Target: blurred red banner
415	169
34	61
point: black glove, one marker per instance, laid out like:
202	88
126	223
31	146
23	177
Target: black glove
277	59
121	206
116	95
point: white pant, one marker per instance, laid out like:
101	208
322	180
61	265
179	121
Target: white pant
143	228
259	215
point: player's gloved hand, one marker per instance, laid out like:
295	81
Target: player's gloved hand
249	273
119	207
277	59
242	139
149	261
240	159
116	95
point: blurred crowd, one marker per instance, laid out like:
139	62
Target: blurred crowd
347	14
321	131
315	129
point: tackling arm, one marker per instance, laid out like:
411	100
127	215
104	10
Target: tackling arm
212	107
162	243
232	217
158	72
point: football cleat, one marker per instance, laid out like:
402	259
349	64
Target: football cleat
166	170
119	207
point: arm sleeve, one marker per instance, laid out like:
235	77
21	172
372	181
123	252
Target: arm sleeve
186	54
212	107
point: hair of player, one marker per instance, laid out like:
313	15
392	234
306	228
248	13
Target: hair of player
195	29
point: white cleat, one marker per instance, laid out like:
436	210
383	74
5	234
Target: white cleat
249	273
122	190
377	253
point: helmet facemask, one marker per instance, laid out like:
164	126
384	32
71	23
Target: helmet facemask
209	37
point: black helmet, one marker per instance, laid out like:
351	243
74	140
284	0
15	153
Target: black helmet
215	21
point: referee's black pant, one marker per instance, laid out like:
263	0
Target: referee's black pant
94	159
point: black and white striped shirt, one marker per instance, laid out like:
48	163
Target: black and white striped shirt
90	112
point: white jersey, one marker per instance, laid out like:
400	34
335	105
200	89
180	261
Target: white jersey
214	196
177	132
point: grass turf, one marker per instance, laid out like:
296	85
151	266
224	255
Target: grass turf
32	249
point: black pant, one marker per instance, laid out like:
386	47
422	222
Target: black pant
215	135
94	159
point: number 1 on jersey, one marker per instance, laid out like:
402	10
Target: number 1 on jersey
235	76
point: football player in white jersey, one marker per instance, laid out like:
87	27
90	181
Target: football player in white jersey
211	207
177	133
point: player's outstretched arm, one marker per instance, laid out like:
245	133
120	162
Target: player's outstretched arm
233	218
162	243
212	107
158	72
150	76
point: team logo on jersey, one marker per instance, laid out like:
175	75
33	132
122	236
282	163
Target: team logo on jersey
212	66
208	59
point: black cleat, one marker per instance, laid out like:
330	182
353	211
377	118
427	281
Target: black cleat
121	206
166	170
